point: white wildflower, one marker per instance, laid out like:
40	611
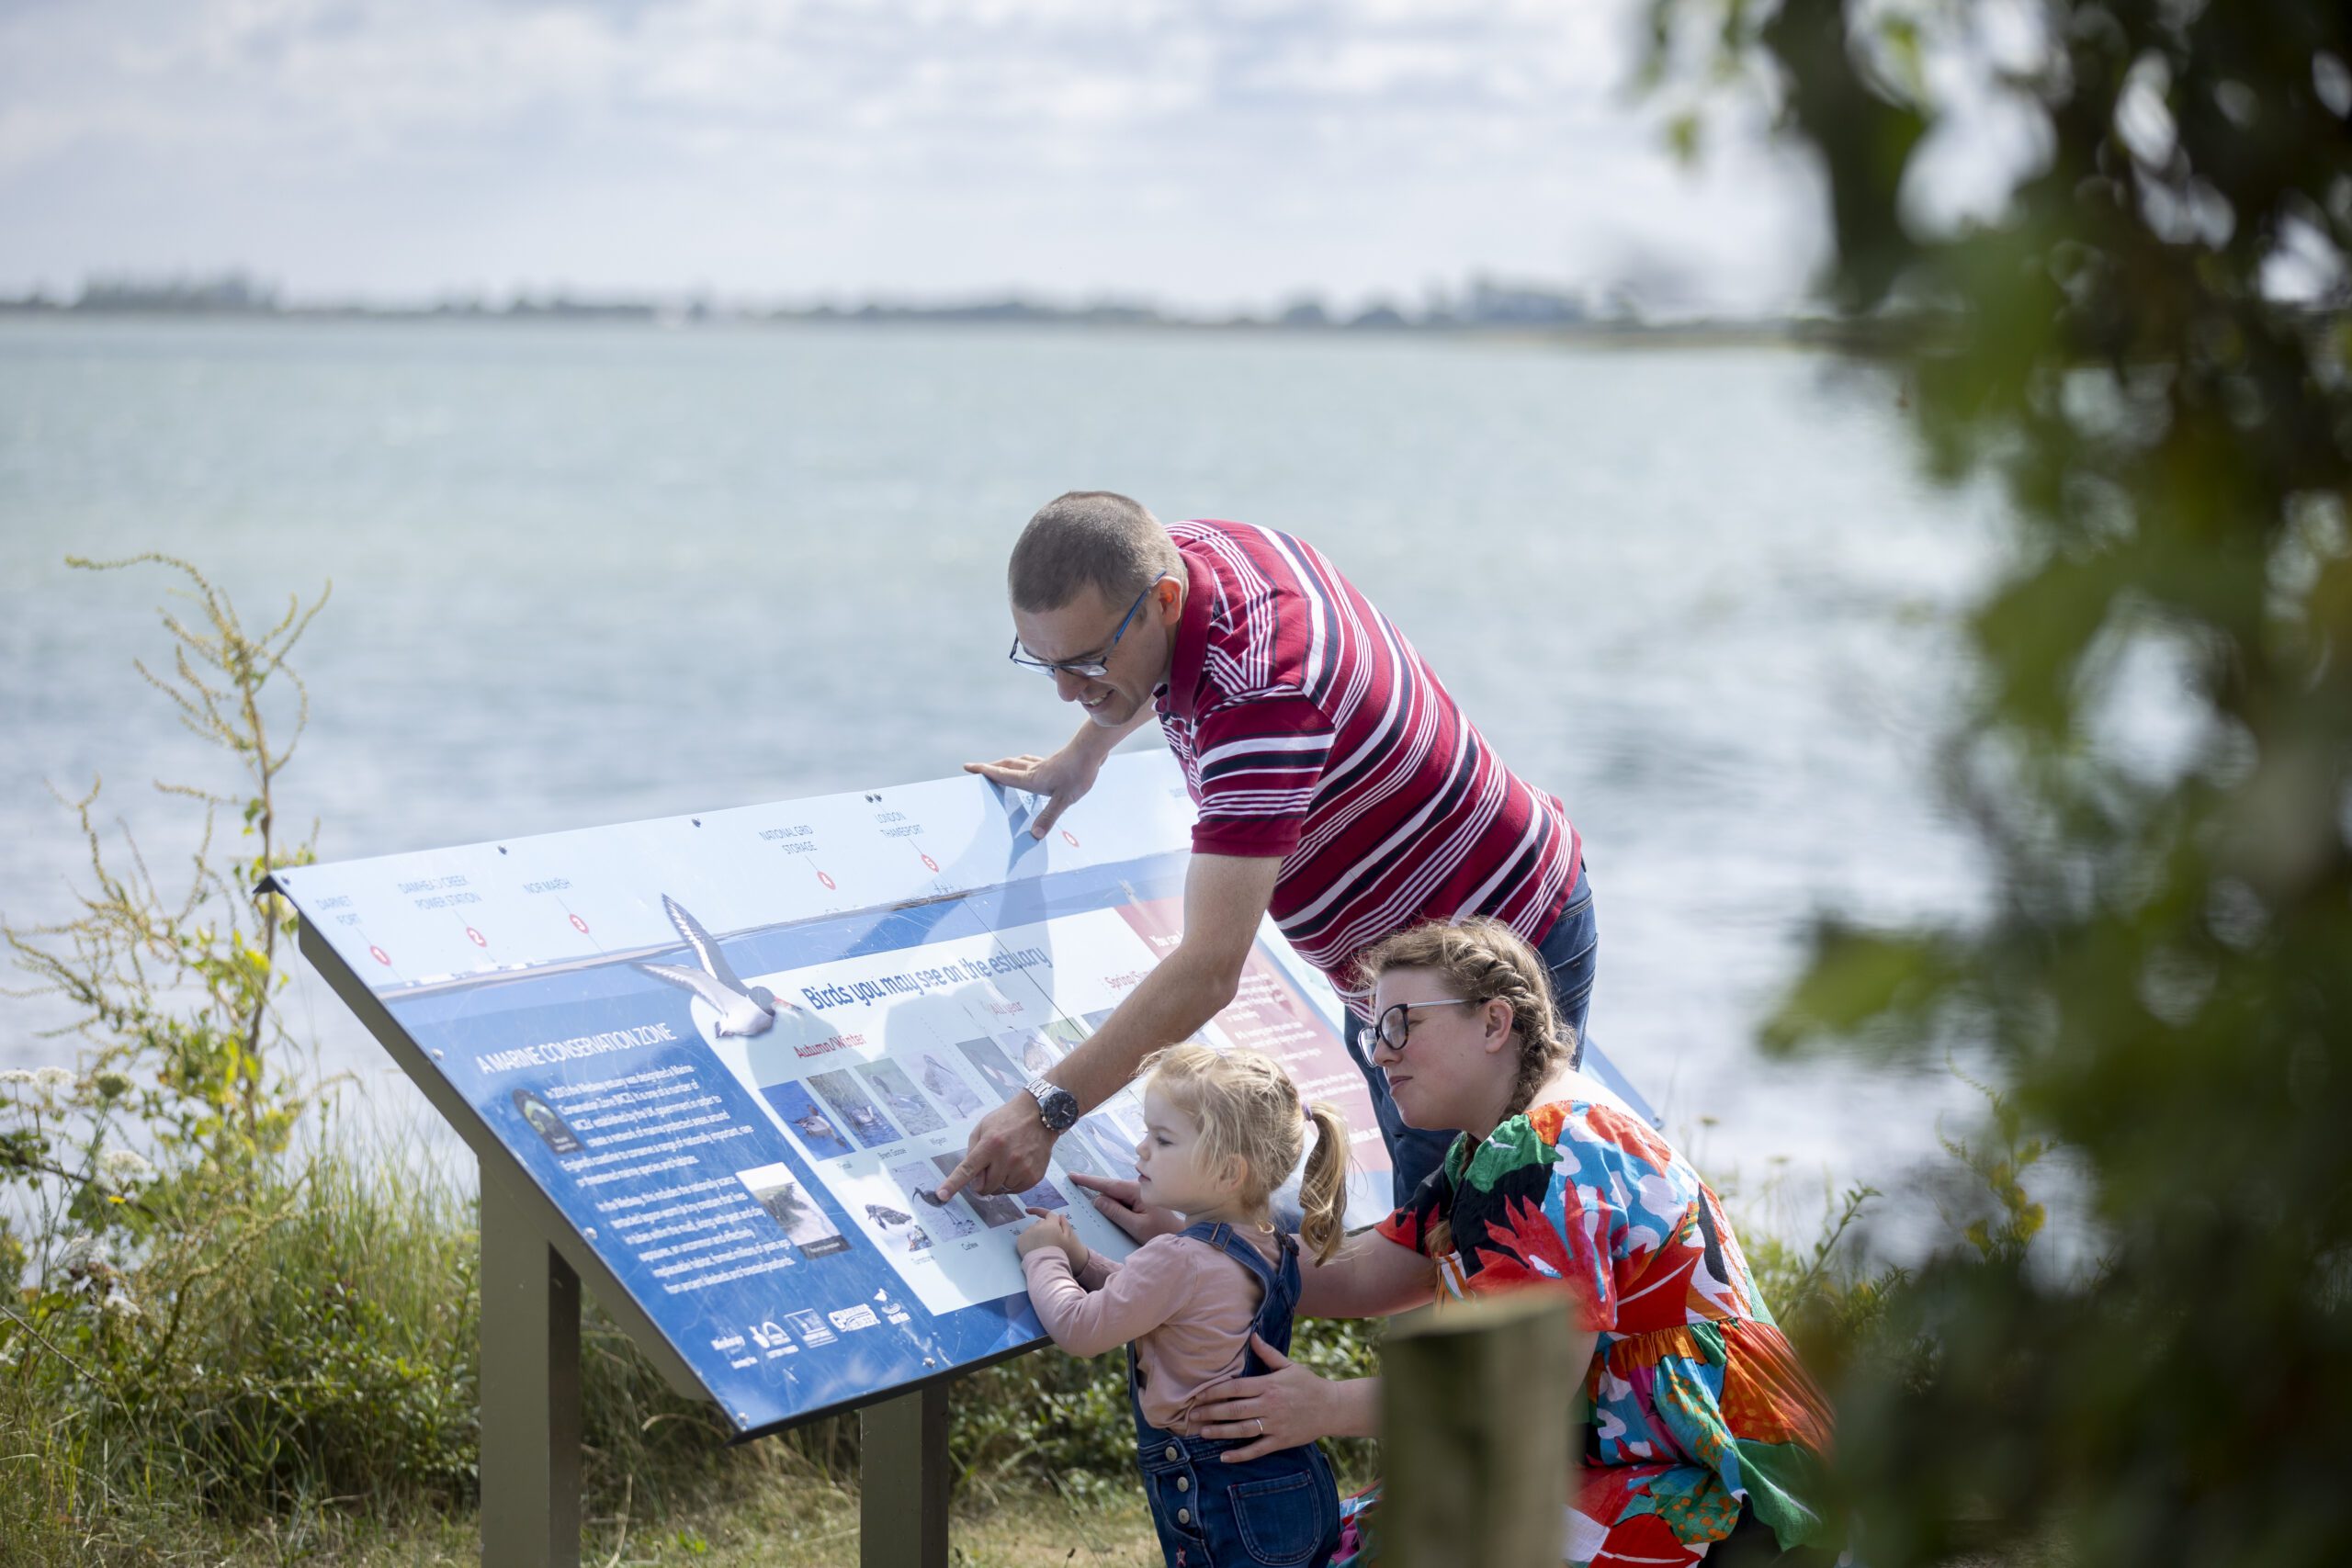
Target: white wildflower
52	1081
84	1251
120	1308
122	1167
16	1075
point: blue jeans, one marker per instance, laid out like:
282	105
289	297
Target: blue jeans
1570	949
1278	1510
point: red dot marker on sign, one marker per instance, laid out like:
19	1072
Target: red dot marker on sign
579	925
1069	838
931	862
477	938
380	956
823	878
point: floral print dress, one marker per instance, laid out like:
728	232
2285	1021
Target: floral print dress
1698	1401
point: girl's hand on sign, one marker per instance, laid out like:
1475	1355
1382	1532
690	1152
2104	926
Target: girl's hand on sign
1052	1230
1120	1204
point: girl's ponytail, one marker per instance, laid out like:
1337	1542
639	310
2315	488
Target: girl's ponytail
1323	1188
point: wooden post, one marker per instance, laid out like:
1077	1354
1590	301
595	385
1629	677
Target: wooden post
530	1390
1476	1405
902	1481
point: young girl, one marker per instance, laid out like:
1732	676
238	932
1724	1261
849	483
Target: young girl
1221	1133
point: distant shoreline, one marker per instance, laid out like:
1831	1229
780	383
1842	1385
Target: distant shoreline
1599	333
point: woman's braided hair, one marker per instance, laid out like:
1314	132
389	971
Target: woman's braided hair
1483	960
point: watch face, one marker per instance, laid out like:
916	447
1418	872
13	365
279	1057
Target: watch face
1057	1107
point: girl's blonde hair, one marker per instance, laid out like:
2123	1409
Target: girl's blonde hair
1247	1108
1483	960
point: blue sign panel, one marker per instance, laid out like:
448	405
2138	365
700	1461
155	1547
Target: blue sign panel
736	1051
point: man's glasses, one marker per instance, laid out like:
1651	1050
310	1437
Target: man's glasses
1396	1026
1089	669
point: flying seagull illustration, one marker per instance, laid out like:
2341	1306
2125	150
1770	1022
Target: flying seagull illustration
741	1009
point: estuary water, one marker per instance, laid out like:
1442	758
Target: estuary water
586	573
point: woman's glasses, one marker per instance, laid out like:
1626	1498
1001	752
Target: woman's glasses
1396	1026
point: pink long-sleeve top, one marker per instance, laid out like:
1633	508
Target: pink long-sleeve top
1186	1307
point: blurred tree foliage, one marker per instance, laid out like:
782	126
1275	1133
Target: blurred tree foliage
2147	344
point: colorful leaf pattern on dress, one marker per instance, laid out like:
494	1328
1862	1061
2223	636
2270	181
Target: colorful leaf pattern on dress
1698	1404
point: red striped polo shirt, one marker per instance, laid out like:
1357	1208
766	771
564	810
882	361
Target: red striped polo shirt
1309	728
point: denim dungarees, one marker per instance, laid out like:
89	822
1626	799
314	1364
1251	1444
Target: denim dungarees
1281	1510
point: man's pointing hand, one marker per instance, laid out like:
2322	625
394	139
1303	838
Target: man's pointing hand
1008	1152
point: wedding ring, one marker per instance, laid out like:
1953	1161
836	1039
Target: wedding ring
1262	1426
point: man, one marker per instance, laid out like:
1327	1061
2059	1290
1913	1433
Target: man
1338	785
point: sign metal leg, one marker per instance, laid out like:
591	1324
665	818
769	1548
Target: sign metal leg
530	1391
902	1481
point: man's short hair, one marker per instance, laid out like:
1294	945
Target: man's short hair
1088	535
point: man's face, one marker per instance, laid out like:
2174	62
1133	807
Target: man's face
1083	630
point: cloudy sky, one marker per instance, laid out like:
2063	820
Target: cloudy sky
1205	154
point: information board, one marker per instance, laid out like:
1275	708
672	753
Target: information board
734	1050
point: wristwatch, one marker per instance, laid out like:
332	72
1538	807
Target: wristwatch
1057	1107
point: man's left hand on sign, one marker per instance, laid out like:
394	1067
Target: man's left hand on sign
1008	1152
1061	778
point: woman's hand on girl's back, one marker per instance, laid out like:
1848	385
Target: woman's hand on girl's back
1120	1204
1281	1408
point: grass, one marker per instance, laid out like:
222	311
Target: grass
299	1386
804	1522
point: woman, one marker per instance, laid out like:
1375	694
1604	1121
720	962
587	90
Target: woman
1706	1436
